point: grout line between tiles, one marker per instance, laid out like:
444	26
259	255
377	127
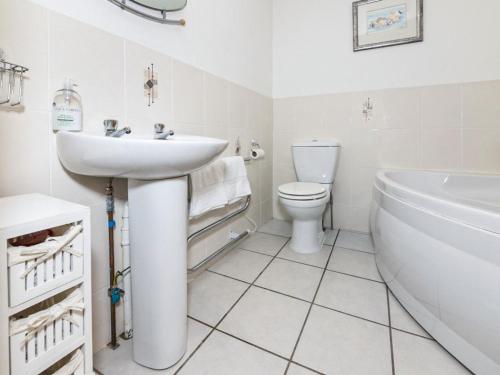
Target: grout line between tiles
200	321
255	252
311	305
315	303
229	277
414	334
357	277
351	315
251	344
281	293
228	311
267	350
260	253
290	360
274	234
301	263
304	264
307	368
359	251
390	330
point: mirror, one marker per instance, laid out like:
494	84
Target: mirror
162	5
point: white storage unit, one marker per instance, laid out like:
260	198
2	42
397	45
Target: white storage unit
45	287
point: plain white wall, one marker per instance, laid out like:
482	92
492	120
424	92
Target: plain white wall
231	39
313	48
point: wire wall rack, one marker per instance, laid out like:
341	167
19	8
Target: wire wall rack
11	81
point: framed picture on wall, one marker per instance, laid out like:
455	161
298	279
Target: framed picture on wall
383	23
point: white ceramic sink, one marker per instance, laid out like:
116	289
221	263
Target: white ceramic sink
158	216
134	156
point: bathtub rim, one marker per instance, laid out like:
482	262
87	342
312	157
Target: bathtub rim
474	216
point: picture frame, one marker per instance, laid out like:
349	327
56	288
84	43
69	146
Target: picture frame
384	23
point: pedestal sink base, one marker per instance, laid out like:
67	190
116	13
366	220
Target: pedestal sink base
158	232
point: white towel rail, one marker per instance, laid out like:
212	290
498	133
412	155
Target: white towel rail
215	225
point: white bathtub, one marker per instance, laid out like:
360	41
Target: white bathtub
437	241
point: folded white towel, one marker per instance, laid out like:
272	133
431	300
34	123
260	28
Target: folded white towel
208	191
236	181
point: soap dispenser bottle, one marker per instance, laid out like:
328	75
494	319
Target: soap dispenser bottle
67	108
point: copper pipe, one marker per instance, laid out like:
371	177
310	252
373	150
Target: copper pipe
110	208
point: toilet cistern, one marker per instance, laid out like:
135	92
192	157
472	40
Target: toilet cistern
315	164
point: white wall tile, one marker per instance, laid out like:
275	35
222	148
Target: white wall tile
187	94
24	153
238	106
447	127
441	148
338	112
362	182
366	147
399	148
441	106
480	104
94	60
481	150
25	42
402	108
216	101
140	116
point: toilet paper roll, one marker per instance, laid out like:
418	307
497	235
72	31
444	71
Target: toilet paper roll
258	153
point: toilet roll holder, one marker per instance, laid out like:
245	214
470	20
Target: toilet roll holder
254	146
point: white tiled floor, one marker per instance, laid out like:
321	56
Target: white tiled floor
303	284
269	320
264	243
242	265
355	263
318	259
264	309
277	227
355	241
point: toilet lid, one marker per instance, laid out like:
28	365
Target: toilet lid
302	189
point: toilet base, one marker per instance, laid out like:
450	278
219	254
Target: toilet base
307	236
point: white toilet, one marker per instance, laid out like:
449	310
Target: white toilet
305	201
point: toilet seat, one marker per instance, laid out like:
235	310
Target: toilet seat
302	198
302	191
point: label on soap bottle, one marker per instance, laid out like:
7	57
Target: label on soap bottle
67	118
